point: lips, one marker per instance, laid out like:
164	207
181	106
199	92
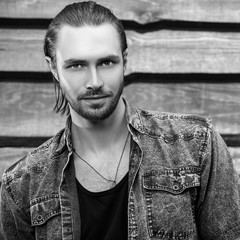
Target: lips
95	97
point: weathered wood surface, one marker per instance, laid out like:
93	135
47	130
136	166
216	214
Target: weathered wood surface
9	156
141	11
235	154
158	52
26	108
220	102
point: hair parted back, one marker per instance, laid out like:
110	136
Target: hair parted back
77	15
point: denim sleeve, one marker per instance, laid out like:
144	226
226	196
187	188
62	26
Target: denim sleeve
14	223
218	212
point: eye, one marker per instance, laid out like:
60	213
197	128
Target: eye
106	63
75	66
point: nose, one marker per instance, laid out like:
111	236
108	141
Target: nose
94	81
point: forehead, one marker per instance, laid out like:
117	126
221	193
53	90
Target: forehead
87	41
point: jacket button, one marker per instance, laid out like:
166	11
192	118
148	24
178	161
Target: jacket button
39	217
175	187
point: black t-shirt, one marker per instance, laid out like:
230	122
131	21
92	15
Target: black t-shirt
104	214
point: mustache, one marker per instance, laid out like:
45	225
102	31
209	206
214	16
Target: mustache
92	92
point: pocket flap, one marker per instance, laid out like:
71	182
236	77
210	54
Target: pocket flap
44	208
172	180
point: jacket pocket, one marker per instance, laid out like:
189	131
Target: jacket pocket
44	208
168	201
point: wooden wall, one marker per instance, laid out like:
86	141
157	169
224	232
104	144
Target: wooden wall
184	56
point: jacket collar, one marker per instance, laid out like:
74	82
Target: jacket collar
133	116
63	138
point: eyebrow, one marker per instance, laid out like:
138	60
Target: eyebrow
109	57
83	61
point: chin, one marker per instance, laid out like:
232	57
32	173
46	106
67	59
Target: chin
96	115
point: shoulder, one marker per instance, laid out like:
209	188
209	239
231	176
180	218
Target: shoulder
38	160
159	123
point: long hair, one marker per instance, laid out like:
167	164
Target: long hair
77	15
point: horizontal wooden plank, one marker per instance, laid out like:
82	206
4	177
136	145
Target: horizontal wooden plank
142	12
220	102
22	50
155	52
9	156
184	52
26	108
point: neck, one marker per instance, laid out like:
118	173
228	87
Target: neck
100	134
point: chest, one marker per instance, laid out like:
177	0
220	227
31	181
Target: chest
101	175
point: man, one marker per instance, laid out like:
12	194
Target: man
116	172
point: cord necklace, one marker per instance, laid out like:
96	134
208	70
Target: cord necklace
109	180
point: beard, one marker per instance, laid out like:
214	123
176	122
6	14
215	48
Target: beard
95	111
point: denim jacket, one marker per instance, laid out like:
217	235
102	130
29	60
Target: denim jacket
182	184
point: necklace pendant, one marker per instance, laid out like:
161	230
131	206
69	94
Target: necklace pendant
112	184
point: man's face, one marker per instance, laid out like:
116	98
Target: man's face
90	69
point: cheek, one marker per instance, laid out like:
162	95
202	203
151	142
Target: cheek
72	81
112	77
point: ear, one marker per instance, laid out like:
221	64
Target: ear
125	54
52	67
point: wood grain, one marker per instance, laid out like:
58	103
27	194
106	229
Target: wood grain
9	156
155	52
26	108
220	102
141	11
